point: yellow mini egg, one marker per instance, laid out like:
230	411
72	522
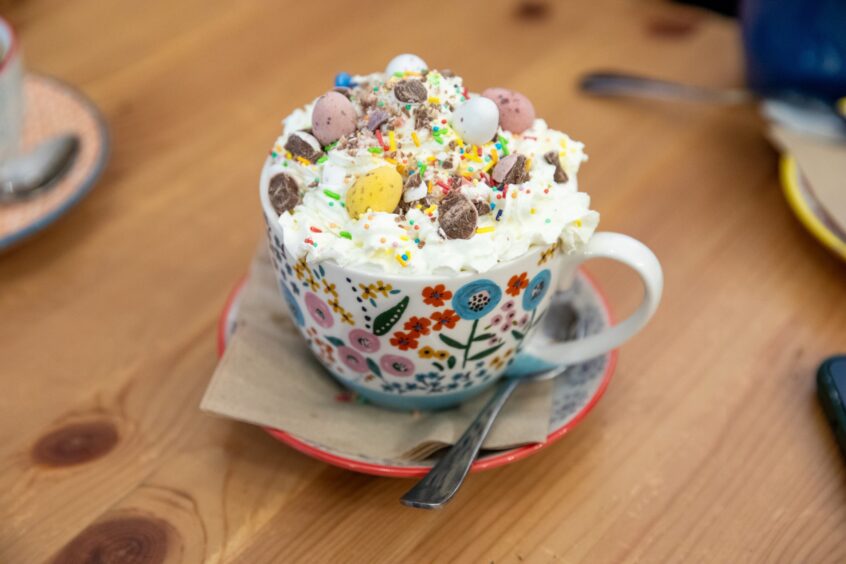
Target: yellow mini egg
379	190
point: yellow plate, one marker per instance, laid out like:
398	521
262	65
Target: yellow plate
804	205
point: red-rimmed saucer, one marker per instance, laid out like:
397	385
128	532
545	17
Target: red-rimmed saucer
574	395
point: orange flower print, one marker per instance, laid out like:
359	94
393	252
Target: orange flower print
441	355
436	296
404	341
446	318
426	352
419	325
517	284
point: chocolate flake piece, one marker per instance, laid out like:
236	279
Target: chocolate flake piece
457	216
482	207
284	193
552	158
305	145
377	119
414	189
422	117
367	99
412	181
411	91
511	170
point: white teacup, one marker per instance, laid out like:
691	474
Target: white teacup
430	342
11	92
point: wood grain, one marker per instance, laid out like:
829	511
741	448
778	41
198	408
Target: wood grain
708	446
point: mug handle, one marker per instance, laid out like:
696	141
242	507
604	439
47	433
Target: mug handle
639	258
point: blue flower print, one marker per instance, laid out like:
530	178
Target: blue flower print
536	290
293	306
476	299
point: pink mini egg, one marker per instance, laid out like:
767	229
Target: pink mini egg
332	118
516	112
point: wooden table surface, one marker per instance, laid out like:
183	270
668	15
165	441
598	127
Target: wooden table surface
708	446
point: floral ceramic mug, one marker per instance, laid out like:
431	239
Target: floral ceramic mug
433	342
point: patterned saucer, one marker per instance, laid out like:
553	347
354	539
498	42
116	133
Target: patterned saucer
574	395
54	108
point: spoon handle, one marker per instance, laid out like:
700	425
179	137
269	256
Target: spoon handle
444	479
631	85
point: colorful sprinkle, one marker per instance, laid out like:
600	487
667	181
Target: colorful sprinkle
343	79
415	138
303	161
315	229
381	141
393	140
375	150
345	234
331	194
503	144
322	159
487	229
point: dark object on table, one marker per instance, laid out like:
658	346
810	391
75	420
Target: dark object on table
831	388
795	46
724	7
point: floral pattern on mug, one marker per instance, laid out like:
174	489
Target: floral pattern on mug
319	310
365	341
442	337
396	365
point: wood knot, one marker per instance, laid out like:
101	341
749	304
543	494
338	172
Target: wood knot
75	443
126	540
532	10
673	26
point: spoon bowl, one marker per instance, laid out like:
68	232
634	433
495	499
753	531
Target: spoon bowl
32	173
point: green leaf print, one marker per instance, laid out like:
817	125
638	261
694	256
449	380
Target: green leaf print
485	353
374	367
387	319
451	361
452	342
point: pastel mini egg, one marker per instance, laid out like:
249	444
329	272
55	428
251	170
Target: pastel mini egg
333	117
406	62
476	120
379	190
516	112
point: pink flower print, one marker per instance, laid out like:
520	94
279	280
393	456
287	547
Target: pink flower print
365	341
396	365
497	319
509	306
352	359
319	310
